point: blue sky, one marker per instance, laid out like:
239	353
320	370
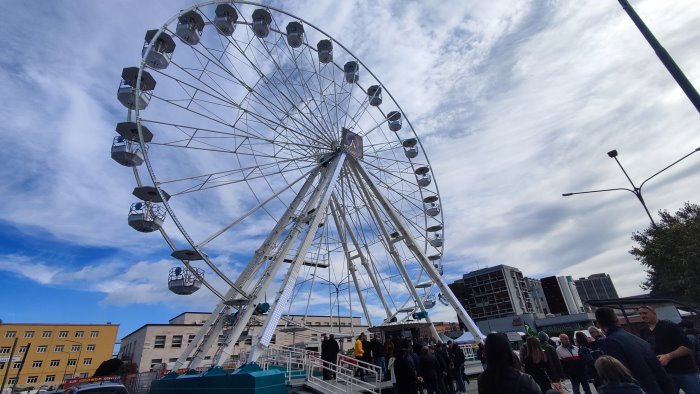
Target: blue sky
514	102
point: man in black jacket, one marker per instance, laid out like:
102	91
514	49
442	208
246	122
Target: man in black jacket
673	349
634	353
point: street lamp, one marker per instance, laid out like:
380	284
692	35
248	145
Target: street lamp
637	191
337	293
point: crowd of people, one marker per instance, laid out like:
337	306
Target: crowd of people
663	359
412	365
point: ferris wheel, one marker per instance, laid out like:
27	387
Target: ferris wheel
274	162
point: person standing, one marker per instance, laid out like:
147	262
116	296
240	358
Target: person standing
634	353
589	356
500	375
378	354
596	335
392	372
535	363
554	369
406	375
325	357
429	371
616	378
458	358
673	350
481	355
333	350
359	353
573	364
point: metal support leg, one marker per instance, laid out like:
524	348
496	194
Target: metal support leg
361	181
416	250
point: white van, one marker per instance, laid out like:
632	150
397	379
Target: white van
97	388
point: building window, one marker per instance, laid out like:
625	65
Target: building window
49	378
190	339
63	334
160	342
172	360
46	334
177	341
36	364
10	334
75	348
29	334
23	349
12	381
94	334
79	334
83	374
41	349
156	361
87	361
2	365
55	363
17	365
90	348
58	348
32	379
5	350
67	376
72	361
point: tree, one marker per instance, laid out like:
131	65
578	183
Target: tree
671	253
109	367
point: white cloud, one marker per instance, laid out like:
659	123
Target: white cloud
515	103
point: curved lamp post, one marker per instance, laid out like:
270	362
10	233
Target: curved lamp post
637	191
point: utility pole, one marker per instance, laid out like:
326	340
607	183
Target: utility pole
663	55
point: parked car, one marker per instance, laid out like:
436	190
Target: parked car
97	388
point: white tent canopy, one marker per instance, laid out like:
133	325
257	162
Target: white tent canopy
466	337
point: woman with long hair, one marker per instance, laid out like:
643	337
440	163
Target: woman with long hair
615	377
535	362
589	356
501	376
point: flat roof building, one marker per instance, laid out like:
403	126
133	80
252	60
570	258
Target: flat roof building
157	346
561	294
596	287
493	292
36	355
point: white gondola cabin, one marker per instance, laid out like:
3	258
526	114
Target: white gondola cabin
182	281
436	259
261	23
435	239
225	19
431	205
375	95
161	51
127	95
352	72
295	34
146	216
126	153
423	176
394	119
410	148
325	51
189	27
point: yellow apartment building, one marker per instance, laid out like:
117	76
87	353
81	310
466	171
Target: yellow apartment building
36	355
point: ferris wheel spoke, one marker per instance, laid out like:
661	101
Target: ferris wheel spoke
255	208
320	119
279	92
378	223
